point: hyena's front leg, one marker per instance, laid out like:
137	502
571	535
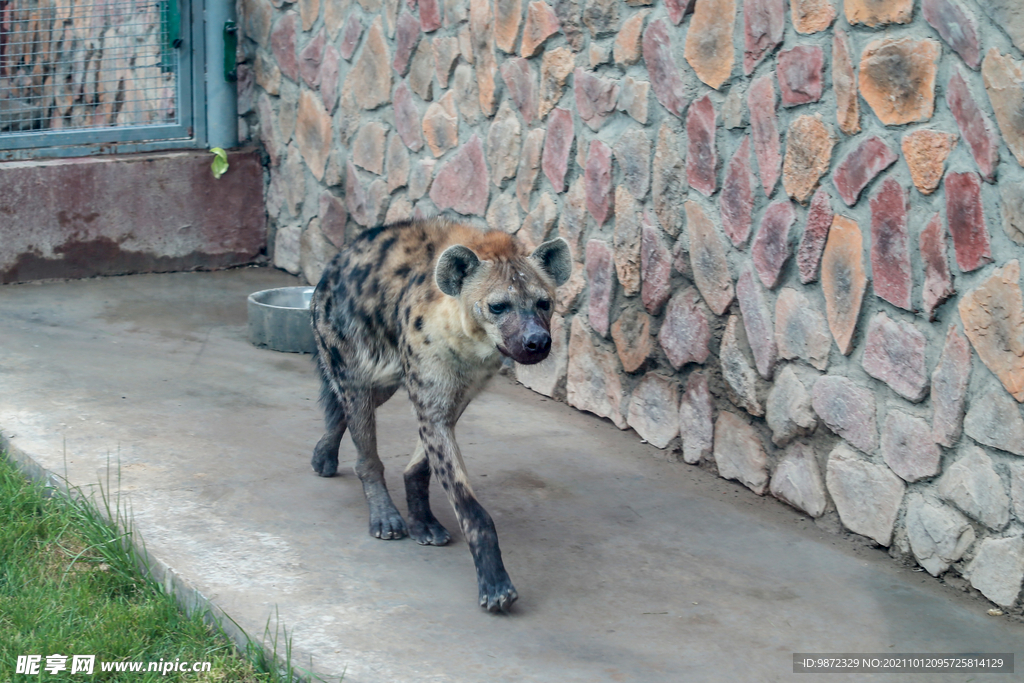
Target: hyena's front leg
423	526
496	589
385	520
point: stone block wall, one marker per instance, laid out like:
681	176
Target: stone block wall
797	226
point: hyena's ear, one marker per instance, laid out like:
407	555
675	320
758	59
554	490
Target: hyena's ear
455	264
554	258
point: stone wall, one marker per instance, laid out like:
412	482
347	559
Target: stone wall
797	229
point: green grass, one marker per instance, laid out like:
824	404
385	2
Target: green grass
70	584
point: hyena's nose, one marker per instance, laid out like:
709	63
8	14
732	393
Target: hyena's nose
537	342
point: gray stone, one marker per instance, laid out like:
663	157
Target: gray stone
995	420
907	447
1009	16
949	388
314	252
757	322
593	381
548	376
739	453
1017	488
696	415
894	352
788	410
998	569
797	480
654	410
734	111
503	213
972	484
847	409
938	534
801	330
737	369
287	248
1013	209
867	495
685	333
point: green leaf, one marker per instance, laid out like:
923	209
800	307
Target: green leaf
220	162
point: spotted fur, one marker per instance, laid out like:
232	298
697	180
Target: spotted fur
431	305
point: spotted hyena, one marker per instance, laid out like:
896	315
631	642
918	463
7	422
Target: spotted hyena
433	305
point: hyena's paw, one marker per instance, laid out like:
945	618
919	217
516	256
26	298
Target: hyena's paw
428	531
325	460
387	524
497	596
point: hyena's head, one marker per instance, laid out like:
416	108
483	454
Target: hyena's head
505	292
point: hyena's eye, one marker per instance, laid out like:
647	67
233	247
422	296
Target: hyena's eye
499	308
543	305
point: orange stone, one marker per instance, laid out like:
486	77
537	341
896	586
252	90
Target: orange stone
709	41
878	12
811	16
632	336
843	280
507	15
481	30
441	125
897	79
541	24
844	81
313	132
993	317
808	155
627	42
555	67
925	152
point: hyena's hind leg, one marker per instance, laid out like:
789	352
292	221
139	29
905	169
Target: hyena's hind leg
385	520
423	526
325	454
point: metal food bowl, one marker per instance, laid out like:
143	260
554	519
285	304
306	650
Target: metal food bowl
279	319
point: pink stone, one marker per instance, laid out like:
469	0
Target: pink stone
568	13
522	86
600	264
907	447
333	217
765	131
696	415
736	201
890	245
685	333
957	26
771	245
799	72
677	9
462	181
757	321
350	36
894	353
938	282
701	159
707	260
633	155
847	409
558	147
595	97
949	388
598	181
327	77
975	125
655	267
859	168
407	118
763	24
406	37
282	43
662	68
966	220
812	244
430	15
310	58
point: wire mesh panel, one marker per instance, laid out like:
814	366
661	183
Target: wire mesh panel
91	65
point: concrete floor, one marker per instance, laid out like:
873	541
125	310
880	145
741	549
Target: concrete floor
629	568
